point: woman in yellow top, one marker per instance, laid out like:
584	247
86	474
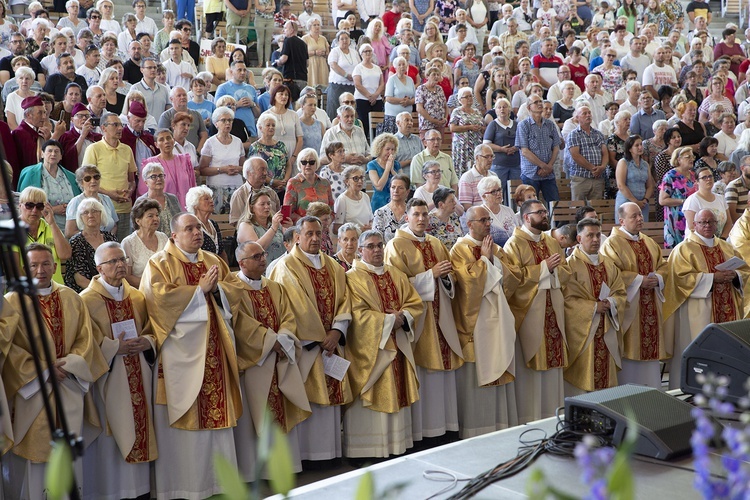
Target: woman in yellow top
218	62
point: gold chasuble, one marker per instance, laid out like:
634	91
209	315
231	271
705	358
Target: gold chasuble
538	304
68	329
276	383
126	389
484	320
9	319
594	339
646	337
198	376
383	372
739	236
319	298
437	346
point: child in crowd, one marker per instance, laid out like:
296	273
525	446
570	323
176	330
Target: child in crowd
547	14
604	17
197	100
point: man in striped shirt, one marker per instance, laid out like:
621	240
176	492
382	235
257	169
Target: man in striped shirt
545	64
736	193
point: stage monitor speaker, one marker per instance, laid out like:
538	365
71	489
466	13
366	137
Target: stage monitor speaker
722	349
664	422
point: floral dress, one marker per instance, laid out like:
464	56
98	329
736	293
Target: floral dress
434	103
611	78
275	156
614	143
421	9
447	232
471	73
446	8
338	183
463	143
677	186
671	11
384	222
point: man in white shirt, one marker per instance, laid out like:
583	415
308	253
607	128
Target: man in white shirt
633	89
636	59
145	23
554	93
593	98
179	71
659	73
307	14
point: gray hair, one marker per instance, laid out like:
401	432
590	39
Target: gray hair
631	84
105	116
487	184
305	153
429	164
99	253
193	196
307	218
659	123
83	170
481	147
26	71
220	112
349	226
345	108
91	203
370	233
248	165
151	167
622	115
91	89
242	246
226	99
262	119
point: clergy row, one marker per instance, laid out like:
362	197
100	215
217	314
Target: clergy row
472	340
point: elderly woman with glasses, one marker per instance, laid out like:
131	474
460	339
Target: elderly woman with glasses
127	35
431	173
706	199
307	186
467	127
273	151
35	211
353	205
261	225
503	220
677	185
221	161
81	267
88	180
177	168
238	126
155	179
200	202
145	240
72	20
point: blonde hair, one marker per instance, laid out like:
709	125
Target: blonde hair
32	194
380	141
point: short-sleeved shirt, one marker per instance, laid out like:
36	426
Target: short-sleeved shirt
196	128
658	77
296	66
157	97
547	67
540	139
589	146
736	193
115	164
467	186
448	178
698	8
224	155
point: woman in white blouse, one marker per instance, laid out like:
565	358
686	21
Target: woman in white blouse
353	205
13	110
368	86
342	61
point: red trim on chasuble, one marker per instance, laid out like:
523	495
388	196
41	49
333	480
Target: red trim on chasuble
212	398
553	342
648	315
429	258
52	311
598	275
389	300
123	311
722	298
265	312
325	298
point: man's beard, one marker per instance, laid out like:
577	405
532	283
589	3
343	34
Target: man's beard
541	225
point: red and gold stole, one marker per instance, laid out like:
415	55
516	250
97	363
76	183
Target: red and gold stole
553	341
212	398
265	312
389	300
429	258
52	312
123	311
722	298
648	314
325	298
598	275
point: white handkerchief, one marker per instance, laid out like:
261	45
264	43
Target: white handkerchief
335	366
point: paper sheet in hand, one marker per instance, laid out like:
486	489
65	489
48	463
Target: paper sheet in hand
32	387
335	366
127	327
731	264
604	292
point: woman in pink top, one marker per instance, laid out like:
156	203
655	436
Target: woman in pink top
178	169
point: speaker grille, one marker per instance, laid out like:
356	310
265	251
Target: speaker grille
740	329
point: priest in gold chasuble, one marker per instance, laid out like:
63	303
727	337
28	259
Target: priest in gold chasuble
78	363
193	302
274	381
739	236
699	289
9	319
594	309
117	462
383	373
316	285
486	329
437	349
539	312
647	338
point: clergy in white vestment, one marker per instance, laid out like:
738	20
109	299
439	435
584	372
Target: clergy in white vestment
275	381
117	462
484	275
195	306
77	363
382	372
647	338
437	349
539	311
700	289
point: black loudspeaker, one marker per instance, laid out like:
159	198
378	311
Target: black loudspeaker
722	349
664	422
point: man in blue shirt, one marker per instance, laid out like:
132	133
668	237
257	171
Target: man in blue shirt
642	123
539	142
245	95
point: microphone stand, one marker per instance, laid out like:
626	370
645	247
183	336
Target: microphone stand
13	235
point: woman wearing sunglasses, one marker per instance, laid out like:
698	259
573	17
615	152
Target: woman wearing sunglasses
88	179
307	186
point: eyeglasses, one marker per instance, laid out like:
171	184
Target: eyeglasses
367	51
706	223
149	67
308	162
706	178
121	260
539	212
483	220
31	206
349	103
83	116
357	178
433	172
155	177
86	213
88	178
609	55
495	192
95	17
373	246
186	28
113	124
257	257
224	120
486	157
